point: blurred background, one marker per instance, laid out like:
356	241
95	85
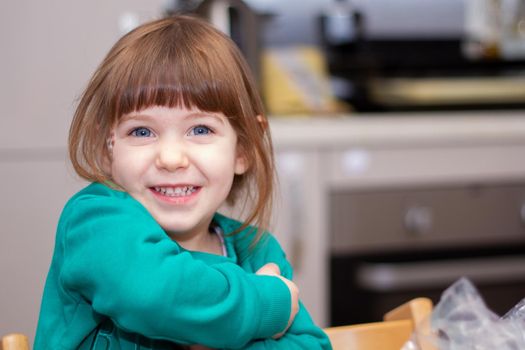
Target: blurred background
399	130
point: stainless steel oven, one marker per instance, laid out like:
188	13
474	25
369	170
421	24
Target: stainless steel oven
390	245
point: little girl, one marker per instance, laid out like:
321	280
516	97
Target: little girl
169	128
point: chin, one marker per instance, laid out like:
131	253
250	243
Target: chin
176	229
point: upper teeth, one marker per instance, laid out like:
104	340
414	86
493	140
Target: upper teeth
176	191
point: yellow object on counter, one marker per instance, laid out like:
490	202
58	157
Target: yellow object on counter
295	81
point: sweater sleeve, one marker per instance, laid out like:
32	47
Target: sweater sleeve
303	333
119	260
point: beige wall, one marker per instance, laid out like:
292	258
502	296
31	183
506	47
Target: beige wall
48	50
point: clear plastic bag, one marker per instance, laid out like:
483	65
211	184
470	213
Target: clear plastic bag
462	321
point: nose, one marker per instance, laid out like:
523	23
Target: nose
171	156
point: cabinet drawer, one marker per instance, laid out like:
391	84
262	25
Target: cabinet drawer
402	167
382	220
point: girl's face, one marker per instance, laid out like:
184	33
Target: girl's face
178	163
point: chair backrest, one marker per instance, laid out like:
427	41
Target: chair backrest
390	334
15	341
416	310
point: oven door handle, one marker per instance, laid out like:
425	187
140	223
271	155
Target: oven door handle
386	277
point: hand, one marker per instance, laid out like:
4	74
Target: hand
272	269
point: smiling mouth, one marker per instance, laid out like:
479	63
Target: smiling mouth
181	191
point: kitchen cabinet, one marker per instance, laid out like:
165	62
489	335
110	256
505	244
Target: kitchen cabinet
34	188
322	158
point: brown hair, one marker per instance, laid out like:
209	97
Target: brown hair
177	61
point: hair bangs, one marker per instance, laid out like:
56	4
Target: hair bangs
178	75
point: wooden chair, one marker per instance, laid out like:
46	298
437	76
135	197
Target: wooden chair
391	334
14	341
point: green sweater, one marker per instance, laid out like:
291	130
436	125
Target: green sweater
117	281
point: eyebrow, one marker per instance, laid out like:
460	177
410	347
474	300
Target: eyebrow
134	115
192	115
221	119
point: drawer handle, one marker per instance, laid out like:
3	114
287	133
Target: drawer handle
418	220
389	277
522	213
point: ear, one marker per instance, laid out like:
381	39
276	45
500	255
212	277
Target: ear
263	122
241	163
110	140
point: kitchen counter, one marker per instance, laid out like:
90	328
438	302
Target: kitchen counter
398	129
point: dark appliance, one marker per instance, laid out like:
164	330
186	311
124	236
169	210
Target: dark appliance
391	245
422	70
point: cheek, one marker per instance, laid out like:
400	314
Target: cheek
119	170
218	162
126	164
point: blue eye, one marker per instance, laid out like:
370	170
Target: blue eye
200	130
141	132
